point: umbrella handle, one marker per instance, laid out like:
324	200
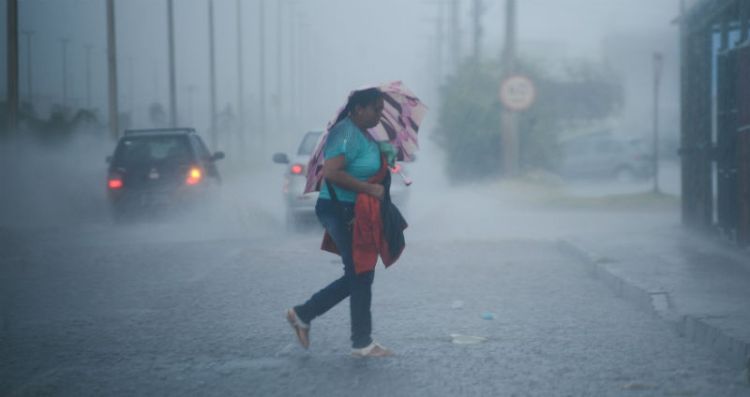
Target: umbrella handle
406	179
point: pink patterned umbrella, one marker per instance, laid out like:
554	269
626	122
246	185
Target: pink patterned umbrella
402	114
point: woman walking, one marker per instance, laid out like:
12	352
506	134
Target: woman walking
352	159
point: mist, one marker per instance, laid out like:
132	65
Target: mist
549	247
325	49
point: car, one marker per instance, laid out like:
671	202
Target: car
604	156
300	206
155	169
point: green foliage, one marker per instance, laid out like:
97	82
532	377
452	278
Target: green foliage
59	127
469	124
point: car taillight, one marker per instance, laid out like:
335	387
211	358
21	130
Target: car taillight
296	169
114	183
195	175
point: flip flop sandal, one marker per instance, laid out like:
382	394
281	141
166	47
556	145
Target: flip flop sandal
300	328
375	349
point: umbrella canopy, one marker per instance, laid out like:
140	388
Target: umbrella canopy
402	114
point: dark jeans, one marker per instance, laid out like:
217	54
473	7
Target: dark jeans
336	219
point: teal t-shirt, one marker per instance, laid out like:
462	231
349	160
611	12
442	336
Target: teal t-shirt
361	154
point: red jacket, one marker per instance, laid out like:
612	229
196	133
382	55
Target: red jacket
368	236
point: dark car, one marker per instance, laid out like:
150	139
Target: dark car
160	168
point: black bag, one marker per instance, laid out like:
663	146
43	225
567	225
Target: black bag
345	214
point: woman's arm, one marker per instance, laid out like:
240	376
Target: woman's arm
334	171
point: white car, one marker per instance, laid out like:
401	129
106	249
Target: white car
603	156
300	206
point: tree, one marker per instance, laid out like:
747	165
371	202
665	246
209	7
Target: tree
469	124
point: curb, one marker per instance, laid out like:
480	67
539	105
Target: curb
694	328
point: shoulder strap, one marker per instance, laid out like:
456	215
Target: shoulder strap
332	192
336	203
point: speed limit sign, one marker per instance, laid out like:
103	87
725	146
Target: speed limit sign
517	92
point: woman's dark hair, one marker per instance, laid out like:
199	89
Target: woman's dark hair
360	98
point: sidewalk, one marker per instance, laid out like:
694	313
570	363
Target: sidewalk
632	241
697	283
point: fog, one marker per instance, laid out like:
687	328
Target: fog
577	262
325	49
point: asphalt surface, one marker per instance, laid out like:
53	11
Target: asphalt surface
120	312
162	306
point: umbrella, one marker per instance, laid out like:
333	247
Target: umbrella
402	114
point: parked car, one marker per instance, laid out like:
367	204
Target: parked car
603	156
300	206
154	169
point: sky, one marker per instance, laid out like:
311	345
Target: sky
333	45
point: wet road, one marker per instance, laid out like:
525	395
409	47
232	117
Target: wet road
174	307
169	309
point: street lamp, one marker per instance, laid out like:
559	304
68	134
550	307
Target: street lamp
658	62
64	43
28	34
88	48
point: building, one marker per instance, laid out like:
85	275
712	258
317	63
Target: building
715	117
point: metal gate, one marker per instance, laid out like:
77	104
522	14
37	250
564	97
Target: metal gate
743	145
721	155
727	199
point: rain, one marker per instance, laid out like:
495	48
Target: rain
576	197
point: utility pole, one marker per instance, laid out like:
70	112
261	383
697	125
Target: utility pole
29	90
131	87
212	73
277	102
64	43
509	117
240	83
477	11
658	62
293	32
744	17
172	76
88	76
112	70
155	75
509	51
303	53
13	91
438	61
440	42
455	34
262	74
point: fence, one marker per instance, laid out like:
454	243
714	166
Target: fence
715	134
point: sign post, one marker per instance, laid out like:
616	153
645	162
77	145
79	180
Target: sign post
517	93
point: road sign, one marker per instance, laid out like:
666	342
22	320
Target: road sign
517	92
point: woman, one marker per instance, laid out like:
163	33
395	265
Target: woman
351	158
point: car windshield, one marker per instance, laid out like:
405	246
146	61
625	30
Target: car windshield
308	143
150	149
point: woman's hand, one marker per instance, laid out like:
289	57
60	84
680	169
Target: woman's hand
376	190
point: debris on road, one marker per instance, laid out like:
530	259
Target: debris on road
467	339
488	316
